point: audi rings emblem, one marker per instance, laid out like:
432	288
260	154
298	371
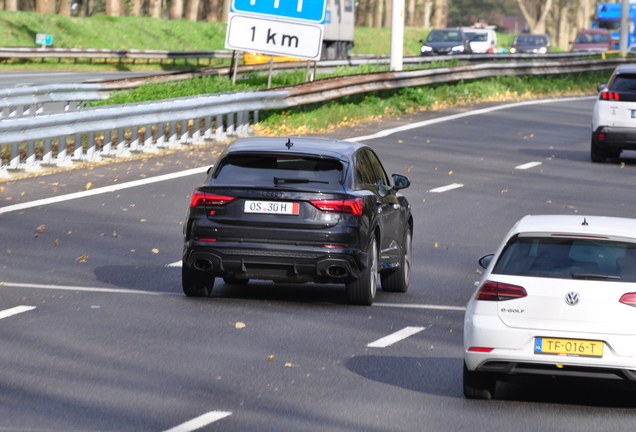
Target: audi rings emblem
272	194
572	298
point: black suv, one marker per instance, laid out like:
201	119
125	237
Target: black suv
299	210
446	41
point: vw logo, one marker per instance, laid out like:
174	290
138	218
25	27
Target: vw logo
272	194
572	298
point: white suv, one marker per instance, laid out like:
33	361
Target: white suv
614	120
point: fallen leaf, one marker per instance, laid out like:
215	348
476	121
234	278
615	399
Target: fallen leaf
431	347
479	271
239	325
408	170
83	258
270	357
1	283
36	235
57	242
143	220
436	244
504	191
155	250
88	185
450	173
290	365
8	251
115	234
41	228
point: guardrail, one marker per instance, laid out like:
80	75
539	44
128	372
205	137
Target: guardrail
41	139
31	100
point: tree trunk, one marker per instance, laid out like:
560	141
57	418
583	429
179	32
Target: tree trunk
440	14
154	8
176	9
213	10
192	12
411	14
45	6
378	13
226	10
361	12
65	8
368	19
11	5
135	8
537	20
388	15
113	7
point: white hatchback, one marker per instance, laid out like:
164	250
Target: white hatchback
614	118
558	298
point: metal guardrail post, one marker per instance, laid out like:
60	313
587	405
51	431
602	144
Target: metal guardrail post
230	124
219	131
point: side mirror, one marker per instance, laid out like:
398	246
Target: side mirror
485	260
601	87
400	182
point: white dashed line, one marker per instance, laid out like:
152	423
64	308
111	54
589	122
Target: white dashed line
200	421
528	165
420	306
77	288
14	311
176	264
101	190
446	188
395	337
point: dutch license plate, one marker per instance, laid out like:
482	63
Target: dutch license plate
272	207
568	347
633	113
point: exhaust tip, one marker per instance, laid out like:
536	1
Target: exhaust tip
203	264
336	271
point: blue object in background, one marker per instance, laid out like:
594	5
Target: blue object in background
305	10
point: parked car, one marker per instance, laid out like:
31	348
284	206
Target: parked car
594	40
446	41
299	210
482	41
557	299
530	44
613	128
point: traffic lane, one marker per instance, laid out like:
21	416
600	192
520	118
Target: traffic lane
136	362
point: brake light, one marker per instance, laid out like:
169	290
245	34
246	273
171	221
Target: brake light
353	206
201	199
629	299
601	137
496	291
480	349
610	96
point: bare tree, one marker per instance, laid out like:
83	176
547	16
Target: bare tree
440	13
226	10
378	13
135	7
213	10
154	8
388	15
113	7
410	17
192	10
535	12
11	5
176	9
45	6
64	7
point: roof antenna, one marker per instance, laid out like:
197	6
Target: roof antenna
584	222
289	144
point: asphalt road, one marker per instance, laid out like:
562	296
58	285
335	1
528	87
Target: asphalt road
112	344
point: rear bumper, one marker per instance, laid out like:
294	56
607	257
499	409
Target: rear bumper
615	138
273	262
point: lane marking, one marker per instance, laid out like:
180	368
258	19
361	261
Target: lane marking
176	264
447	188
14	311
419	306
102	190
199	422
424	123
528	165
395	337
77	288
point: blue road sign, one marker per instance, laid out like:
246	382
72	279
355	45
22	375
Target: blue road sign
304	10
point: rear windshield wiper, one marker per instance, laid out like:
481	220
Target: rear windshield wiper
589	276
278	180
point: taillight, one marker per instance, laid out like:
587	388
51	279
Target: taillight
601	137
480	349
629	299
497	291
610	96
353	206
206	199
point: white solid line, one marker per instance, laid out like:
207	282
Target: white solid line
101	190
176	264
446	188
14	311
528	165
395	337
77	288
200	421
388	132
418	306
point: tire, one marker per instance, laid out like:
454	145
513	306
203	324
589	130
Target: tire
398	280
196	283
597	154
362	291
235	281
479	385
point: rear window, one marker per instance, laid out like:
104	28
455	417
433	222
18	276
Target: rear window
592	38
567	258
623	83
279	169
477	37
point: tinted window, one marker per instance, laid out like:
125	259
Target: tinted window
444	36
532	40
592	38
623	83
558	257
379	175
364	169
258	169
